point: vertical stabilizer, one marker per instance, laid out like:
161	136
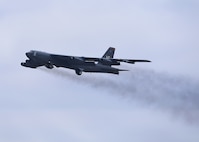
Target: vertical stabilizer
109	53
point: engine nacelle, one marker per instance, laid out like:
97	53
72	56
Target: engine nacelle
109	62
115	63
77	58
28	65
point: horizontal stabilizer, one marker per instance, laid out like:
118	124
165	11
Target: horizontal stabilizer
133	61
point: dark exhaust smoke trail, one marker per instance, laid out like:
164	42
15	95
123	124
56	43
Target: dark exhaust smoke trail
175	94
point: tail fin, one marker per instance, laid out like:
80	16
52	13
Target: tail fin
109	53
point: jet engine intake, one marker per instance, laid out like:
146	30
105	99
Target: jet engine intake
28	65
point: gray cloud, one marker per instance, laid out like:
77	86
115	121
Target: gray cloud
170	93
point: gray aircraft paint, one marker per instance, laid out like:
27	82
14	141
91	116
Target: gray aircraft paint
79	64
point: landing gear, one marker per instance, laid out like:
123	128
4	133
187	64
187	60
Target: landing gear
49	66
78	72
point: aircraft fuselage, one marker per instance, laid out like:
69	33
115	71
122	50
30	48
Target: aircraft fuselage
79	64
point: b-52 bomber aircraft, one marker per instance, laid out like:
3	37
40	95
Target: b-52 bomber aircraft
79	64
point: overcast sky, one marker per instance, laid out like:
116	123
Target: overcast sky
41	105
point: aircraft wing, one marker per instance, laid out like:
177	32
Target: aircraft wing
85	59
104	61
91	59
130	61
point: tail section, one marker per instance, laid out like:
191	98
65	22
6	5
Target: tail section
109	53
